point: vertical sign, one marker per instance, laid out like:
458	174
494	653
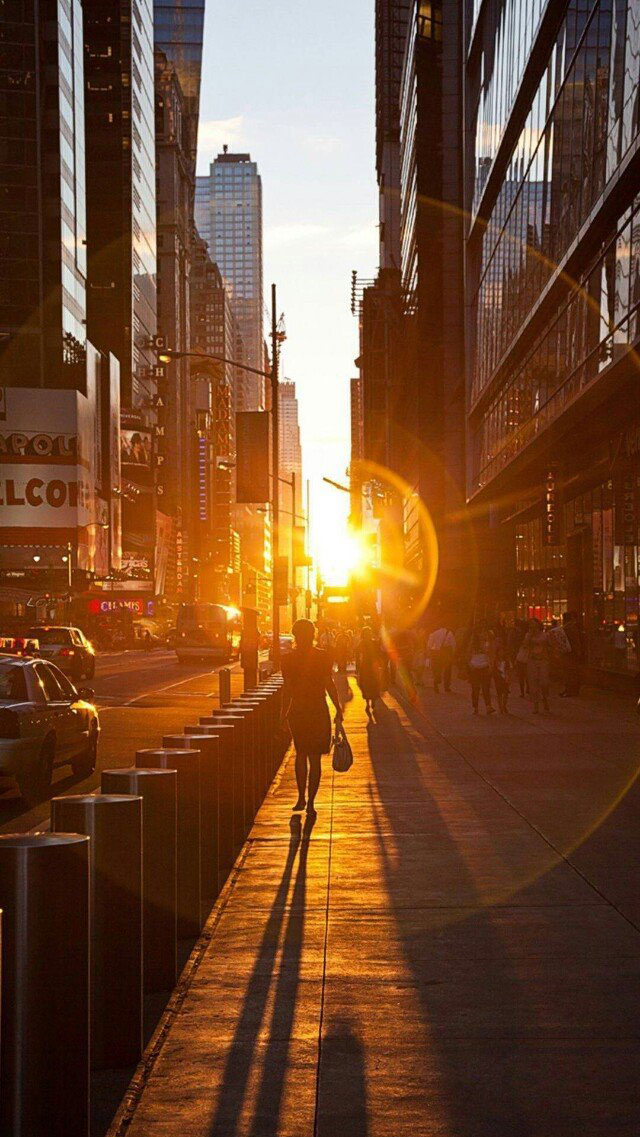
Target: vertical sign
252	456
551	507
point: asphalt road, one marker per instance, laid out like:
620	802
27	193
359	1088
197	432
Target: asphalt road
140	696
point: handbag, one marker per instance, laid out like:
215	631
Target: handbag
342	752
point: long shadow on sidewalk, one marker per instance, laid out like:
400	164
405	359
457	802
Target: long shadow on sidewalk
243	1050
478	1098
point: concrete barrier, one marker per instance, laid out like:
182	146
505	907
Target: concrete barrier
208	747
186	763
241	820
224	686
158	790
114	824
44	1054
224	732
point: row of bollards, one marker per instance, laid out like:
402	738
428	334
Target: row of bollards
92	911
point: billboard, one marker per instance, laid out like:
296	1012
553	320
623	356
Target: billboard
252	456
47	464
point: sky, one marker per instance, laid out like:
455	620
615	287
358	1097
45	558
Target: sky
294	85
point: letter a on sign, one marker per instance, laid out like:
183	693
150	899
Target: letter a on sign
252	456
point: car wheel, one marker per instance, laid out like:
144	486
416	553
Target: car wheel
85	763
36	783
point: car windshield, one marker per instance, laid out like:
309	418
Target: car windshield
48	636
13	686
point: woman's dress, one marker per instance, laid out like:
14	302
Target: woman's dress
307	674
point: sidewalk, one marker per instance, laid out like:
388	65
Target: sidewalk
453	949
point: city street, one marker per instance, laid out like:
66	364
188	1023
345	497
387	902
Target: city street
140	696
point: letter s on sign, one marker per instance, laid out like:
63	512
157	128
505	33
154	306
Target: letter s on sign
30	491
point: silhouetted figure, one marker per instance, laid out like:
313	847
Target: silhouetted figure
308	680
369	669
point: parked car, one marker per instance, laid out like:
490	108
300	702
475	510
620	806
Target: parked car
44	722
68	648
18	645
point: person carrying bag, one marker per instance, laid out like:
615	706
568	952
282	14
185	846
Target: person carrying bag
342	752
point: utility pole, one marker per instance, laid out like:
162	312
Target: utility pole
294	602
275	442
308	606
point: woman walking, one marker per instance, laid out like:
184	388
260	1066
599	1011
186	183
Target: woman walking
536	643
480	660
308	680
369	670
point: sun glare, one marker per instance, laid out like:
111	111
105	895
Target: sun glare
340	554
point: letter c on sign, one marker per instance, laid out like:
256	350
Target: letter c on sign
30	493
56	493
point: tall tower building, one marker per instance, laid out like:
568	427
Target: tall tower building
290	451
179	32
121	186
43	296
229	208
392	22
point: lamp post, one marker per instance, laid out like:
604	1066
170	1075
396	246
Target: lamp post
167	355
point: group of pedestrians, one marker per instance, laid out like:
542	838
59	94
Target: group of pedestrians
491	656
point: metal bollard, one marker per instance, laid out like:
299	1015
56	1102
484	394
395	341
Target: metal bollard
251	742
209	749
158	790
224	686
226	717
186	764
44	1060
224	732
256	704
114	824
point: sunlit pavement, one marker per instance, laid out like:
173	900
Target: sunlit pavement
452	949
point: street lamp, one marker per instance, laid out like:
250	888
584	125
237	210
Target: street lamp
168	355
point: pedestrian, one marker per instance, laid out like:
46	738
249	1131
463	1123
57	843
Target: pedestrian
536	642
369	670
249	647
441	648
341	651
502	674
519	655
479	670
308	679
571	659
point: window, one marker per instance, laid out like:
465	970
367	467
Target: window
12	683
48	683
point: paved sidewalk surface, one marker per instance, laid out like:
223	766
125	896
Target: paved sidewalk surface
452	949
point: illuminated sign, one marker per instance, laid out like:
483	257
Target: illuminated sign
551	508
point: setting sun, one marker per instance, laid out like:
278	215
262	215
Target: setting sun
340	553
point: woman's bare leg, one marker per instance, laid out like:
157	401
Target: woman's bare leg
314	779
301	779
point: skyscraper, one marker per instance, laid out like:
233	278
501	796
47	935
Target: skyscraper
178	32
121	241
229	207
43	296
121	186
553	314
392	21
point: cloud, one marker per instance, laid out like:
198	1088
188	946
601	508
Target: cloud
359	236
214	133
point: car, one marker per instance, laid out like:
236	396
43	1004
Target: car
44	722
287	644
68	648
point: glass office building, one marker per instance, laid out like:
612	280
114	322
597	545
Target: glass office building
553	290
119	71
42	196
179	33
229	207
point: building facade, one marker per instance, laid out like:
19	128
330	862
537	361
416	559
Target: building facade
58	393
121	246
553	283
229	217
178	29
212	331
